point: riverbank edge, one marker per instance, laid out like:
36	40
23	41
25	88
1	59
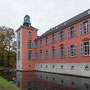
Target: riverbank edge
6	85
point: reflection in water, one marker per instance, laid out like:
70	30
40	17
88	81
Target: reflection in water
46	81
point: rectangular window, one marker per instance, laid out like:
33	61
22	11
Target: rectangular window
53	38
29	44
72	32
86	27
72	50
62	36
86	48
29	34
54	53
62	52
47	54
29	56
41	43
41	55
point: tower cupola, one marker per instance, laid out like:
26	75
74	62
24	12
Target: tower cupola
27	22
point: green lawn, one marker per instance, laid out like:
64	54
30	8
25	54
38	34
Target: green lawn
5	85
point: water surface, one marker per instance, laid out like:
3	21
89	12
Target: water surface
46	81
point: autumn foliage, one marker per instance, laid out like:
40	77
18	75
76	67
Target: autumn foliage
7	47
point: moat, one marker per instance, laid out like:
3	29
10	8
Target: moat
46	81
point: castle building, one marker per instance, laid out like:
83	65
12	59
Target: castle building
64	48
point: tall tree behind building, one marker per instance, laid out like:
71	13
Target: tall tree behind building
7	40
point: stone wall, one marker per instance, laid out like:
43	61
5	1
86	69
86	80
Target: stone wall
80	69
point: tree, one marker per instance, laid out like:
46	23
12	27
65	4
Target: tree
7	36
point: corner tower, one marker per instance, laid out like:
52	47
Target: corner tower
26	34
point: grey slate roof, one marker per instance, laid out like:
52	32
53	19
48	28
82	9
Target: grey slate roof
67	23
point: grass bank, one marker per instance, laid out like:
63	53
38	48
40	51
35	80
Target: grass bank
5	85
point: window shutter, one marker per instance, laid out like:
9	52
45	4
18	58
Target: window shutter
75	30
81	28
64	51
68	50
81	49
47	40
59	52
75	49
64	34
44	42
45	55
68	33
51	53
51	39
59	36
32	56
89	25
55	38
55	53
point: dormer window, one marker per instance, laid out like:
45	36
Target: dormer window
29	34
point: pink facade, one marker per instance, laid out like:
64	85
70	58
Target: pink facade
71	46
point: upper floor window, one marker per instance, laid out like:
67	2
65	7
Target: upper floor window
86	48
62	35
46	41
47	54
53	38
41	42
72	50
53	53
29	34
72	32
29	44
62	52
41	55
85	27
29	55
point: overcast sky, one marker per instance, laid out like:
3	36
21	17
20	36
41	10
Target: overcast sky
44	14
